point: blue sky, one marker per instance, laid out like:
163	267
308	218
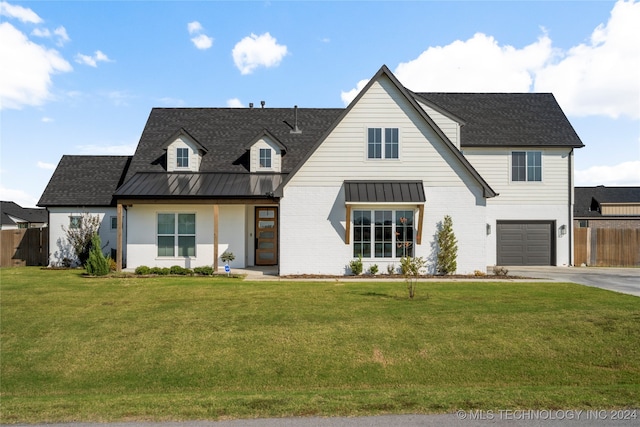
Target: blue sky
80	77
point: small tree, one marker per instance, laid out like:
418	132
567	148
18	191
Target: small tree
447	248
79	236
97	264
411	269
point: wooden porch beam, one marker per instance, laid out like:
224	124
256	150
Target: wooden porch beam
119	238
420	222
347	227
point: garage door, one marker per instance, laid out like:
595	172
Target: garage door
525	243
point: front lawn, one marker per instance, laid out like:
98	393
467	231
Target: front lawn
178	348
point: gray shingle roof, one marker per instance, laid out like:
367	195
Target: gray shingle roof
507	119
225	133
30	215
588	199
85	181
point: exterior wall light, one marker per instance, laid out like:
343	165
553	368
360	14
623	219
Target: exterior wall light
563	230
488	229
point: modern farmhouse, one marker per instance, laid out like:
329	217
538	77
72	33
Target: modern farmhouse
310	189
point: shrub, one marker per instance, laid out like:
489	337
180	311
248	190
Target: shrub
227	256
159	271
356	266
373	269
391	269
80	237
479	273
500	271
97	264
113	266
204	271
143	270
447	248
180	271
412	268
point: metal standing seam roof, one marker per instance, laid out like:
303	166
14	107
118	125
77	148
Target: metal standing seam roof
384	192
197	184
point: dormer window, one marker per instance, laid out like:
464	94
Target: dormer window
182	158
265	158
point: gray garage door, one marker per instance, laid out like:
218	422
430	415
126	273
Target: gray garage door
525	243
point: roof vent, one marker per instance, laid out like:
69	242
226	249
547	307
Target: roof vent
262	104
295	121
251	105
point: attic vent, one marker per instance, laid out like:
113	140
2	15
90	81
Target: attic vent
295	121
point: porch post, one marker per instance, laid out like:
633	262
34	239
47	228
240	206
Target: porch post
119	238
216	215
420	222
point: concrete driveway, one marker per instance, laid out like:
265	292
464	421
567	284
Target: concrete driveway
624	280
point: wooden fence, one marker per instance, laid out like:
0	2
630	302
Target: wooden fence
607	247
24	247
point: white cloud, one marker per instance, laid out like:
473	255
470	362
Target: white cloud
601	77
27	67
119	98
61	34
258	51
22	13
626	174
234	103
20	197
46	120
202	41
348	96
194	27
47	166
92	60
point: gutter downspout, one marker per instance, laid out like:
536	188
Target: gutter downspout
570	224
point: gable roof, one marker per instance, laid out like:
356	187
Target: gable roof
9	210
85	181
384	71
506	119
225	133
588	199
183	132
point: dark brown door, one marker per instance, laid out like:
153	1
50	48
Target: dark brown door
266	236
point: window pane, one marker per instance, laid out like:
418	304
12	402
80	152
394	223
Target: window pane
165	246
186	224
534	166
404	233
361	234
75	222
518	169
114	222
182	158
166	224
391	143
374	143
383	233
265	157
186	246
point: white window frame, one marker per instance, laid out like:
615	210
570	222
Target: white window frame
111	222
178	157
268	151
400	244
176	235
384	150
526	179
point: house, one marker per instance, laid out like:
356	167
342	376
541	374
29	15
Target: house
607	207
14	216
309	189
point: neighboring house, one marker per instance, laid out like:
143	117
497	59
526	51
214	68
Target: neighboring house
83	185
14	216
310	189
607	207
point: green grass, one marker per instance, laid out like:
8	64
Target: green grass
177	348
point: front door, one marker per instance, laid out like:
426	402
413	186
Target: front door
266	236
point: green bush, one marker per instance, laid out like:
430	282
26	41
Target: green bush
180	271
97	264
373	269
447	248
143	270
204	271
159	271
356	266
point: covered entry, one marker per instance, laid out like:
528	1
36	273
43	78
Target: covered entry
525	243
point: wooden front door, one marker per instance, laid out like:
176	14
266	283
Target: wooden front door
266	236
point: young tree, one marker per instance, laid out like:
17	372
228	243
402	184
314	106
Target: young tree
79	236
97	264
447	248
411	269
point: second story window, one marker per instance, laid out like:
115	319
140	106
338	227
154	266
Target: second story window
182	158
265	158
382	143
526	166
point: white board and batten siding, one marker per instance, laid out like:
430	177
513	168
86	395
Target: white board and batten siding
313	211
